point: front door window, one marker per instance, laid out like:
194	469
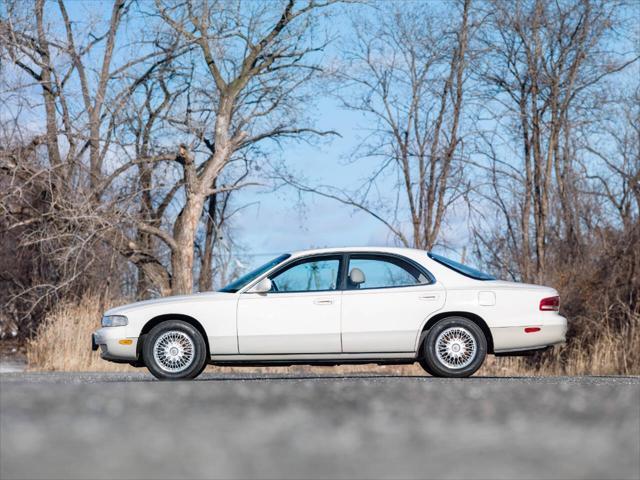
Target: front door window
308	276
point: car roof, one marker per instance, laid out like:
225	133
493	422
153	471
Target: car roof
396	250
440	272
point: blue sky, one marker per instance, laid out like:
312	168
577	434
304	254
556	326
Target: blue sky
280	221
276	221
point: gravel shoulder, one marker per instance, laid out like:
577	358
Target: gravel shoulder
85	425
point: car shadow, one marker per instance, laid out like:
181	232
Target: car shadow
213	377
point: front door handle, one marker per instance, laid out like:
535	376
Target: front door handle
323	301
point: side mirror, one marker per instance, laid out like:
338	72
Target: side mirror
263	286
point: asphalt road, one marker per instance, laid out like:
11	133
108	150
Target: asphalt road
243	426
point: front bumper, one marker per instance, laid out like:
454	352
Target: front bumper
108	339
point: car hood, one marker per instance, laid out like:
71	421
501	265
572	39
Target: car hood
173	300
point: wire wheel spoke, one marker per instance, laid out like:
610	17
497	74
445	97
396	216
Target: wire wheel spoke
174	351
456	347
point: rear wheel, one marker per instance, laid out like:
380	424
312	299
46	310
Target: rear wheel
175	350
454	347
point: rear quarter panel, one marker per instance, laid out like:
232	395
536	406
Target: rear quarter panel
507	311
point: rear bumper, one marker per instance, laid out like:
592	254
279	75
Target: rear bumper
108	341
513	339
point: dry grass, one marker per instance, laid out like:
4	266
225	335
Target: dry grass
598	350
62	343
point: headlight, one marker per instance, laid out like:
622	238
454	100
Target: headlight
114	321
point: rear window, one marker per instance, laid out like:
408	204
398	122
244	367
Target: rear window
460	268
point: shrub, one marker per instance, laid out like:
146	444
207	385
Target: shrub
62	340
62	343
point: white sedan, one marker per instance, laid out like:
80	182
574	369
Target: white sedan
337	306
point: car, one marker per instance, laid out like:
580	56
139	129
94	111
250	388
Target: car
339	306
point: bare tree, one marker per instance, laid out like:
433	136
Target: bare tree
406	73
216	242
50	195
543	60
613	163
157	135
253	65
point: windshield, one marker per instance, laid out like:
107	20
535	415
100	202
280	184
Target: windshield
233	287
460	268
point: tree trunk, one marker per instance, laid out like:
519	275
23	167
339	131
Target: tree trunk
145	282
154	277
206	279
48	89
185	234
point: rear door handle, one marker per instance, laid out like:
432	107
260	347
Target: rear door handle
323	301
429	298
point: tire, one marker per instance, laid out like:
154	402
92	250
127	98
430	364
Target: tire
174	350
455	336
425	366
421	359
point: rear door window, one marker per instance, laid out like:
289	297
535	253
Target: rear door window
383	272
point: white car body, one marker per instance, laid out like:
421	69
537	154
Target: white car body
339	326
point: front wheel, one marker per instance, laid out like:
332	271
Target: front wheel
454	347
174	350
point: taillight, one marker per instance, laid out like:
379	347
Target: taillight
550	304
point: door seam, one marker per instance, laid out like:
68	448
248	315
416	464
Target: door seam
341	345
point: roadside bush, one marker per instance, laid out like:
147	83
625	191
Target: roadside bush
600	350
62	340
62	343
